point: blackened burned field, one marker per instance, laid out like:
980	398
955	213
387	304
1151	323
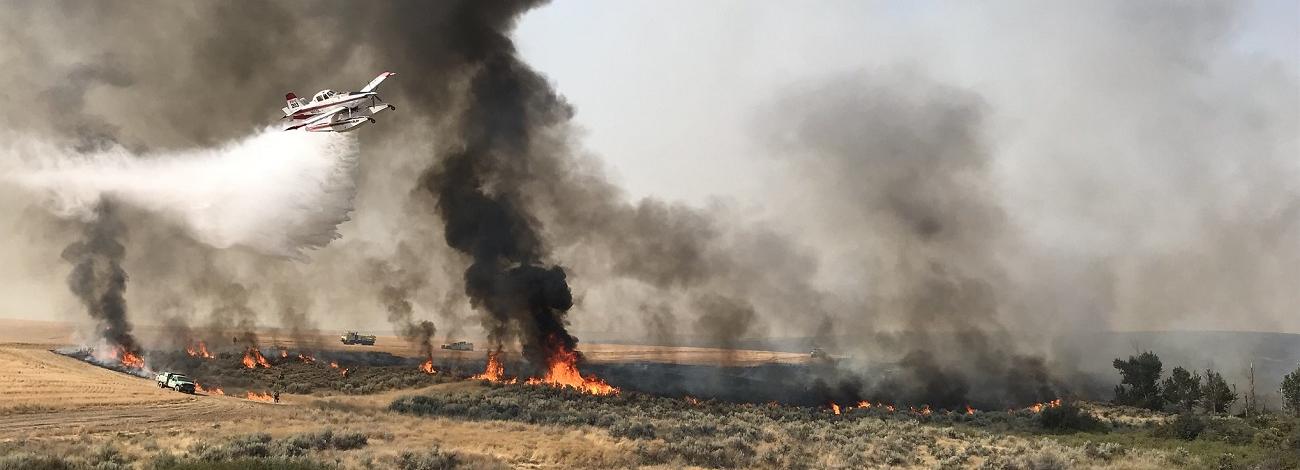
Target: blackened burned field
813	384
795	384
296	372
816	385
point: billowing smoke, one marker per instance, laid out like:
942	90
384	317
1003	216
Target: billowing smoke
479	196
97	277
398	281
930	230
277	193
903	171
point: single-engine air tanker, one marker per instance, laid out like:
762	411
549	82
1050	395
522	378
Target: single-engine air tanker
330	111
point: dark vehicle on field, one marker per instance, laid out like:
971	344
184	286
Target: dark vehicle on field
353	337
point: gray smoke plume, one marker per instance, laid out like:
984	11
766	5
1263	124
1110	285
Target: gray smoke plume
398	281
97	277
922	226
902	165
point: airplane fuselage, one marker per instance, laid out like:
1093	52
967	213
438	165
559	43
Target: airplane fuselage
328	111
334	103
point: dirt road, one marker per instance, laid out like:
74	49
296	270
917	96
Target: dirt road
43	394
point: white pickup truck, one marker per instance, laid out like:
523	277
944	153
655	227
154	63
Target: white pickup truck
174	381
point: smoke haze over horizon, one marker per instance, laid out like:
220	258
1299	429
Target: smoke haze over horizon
748	171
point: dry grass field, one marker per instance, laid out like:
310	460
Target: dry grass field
59	412
61	404
57	404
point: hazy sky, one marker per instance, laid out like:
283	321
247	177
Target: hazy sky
1136	164
667	89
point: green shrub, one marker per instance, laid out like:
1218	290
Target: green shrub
1103	451
1068	417
172	463
432	459
633	430
26	461
1232	431
1186	426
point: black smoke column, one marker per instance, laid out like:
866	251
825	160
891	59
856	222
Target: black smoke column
479	195
99	281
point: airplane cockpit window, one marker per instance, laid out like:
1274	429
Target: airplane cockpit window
323	95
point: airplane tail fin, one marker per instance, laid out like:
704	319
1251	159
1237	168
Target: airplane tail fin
375	83
291	103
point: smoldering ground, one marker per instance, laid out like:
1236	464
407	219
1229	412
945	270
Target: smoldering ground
897	239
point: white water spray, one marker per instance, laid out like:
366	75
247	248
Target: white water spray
275	192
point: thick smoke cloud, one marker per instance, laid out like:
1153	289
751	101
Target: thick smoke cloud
478	193
904	172
97	277
920	227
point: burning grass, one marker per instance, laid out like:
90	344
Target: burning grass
199	349
561	372
253	359
295	372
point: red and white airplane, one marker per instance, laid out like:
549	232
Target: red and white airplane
329	111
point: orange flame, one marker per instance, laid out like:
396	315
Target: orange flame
342	370
692	400
427	367
284	353
494	371
198	350
128	359
890	408
210	391
969	410
1038	407
253	358
864	404
264	397
835	408
563	372
132	360
306	359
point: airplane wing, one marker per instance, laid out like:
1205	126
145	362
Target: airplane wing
375	83
320	119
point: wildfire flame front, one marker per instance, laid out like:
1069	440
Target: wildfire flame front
563	372
494	371
253	358
198	350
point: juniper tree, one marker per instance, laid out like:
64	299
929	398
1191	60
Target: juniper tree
1291	392
1182	389
1139	379
1218	395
